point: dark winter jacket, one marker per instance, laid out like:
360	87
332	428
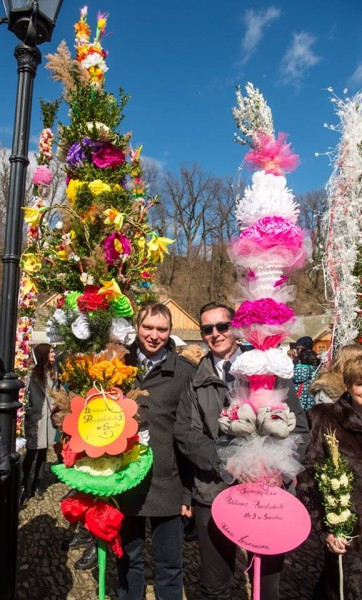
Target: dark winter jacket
197	427
169	483
347	424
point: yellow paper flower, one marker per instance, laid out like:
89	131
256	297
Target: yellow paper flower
114	217
102	370
72	188
32	216
102	23
63	254
157	247
141	243
29	286
31	263
110	290
98	187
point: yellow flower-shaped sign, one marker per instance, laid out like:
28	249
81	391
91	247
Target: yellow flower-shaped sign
101	423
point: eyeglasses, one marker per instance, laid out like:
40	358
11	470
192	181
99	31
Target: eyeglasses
220	327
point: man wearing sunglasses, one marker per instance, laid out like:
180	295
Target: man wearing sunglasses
196	432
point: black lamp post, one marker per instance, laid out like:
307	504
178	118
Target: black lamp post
32	21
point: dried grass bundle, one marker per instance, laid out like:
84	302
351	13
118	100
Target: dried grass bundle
65	69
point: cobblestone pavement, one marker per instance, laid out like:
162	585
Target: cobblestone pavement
45	571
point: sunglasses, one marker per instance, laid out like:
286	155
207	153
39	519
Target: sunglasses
220	327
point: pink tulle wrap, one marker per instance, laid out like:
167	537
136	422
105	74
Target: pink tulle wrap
271	155
271	240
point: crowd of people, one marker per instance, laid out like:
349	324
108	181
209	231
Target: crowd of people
184	396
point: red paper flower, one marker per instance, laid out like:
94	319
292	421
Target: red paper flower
101	423
91	300
69	457
101	519
108	156
60	302
74	508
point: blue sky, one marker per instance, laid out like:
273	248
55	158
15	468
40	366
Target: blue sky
180	61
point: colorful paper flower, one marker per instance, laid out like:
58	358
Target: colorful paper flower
42	175
72	188
157	247
100	518
114	217
272	155
98	187
263	312
110	290
32	216
77	153
31	263
91	300
115	247
108	156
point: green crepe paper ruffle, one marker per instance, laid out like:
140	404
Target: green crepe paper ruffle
71	300
119	482
122	307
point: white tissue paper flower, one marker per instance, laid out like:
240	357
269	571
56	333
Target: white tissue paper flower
258	362
121	331
80	328
267	197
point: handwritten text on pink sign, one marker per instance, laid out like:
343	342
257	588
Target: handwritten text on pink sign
262	519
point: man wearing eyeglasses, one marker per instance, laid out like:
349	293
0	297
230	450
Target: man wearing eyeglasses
196	432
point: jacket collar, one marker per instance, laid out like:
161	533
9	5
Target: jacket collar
346	415
205	374
166	365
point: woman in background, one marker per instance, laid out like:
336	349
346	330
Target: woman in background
344	419
329	385
39	431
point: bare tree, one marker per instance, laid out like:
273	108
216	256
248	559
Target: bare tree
312	209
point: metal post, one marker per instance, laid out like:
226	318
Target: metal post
28	58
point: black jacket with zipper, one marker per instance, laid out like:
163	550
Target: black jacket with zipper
168	485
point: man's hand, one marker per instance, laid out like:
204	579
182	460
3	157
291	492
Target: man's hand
186	511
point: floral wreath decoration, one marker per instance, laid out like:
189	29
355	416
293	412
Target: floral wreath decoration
269	246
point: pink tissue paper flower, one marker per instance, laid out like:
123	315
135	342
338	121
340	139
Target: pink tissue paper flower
108	156
42	175
265	311
272	155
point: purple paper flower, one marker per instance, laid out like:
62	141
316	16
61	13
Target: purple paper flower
76	153
115	246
